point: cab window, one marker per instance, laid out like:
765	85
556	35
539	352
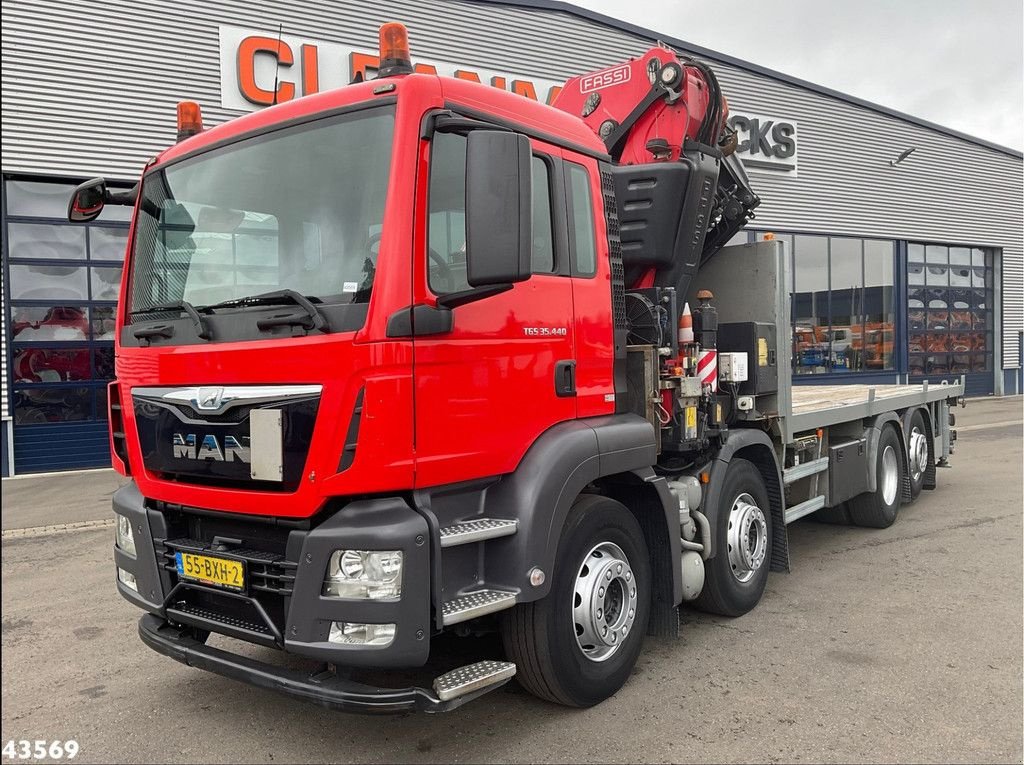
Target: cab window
446	223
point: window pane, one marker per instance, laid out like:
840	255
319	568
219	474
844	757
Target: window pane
107	243
543	260
41	200
38	365
101	403
103	363
47	324
915	274
936	253
223	210
810	305
46	240
880	306
103	322
937	276
582	225
40	405
46	282
847	305
446	262
106	283
915	253
960	276
977	257
959	256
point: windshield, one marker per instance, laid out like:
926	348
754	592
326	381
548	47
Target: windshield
299	209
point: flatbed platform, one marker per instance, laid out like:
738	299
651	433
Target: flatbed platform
815	406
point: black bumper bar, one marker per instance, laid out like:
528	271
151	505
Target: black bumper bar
326	689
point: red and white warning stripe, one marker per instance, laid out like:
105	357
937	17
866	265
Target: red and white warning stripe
707	369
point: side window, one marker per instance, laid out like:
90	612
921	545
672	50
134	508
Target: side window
581	224
543	261
446	225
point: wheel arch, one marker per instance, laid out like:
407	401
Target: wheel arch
647	496
756	447
567	460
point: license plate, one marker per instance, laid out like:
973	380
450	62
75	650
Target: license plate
219	572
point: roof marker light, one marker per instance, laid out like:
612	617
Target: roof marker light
190	119
394	50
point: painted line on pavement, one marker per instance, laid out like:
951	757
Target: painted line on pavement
988	426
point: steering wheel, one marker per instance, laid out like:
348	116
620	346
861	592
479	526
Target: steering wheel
444	271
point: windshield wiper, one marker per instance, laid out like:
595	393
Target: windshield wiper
312	319
179	305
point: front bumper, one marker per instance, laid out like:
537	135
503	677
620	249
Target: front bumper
284	606
325	688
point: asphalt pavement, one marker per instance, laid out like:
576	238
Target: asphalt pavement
903	644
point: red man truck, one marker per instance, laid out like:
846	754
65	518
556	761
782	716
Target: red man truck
404	358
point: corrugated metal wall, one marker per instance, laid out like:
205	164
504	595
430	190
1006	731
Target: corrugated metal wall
90	89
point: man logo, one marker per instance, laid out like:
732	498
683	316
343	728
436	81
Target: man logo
187	447
209	399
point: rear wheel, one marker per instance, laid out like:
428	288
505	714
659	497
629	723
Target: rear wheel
737	574
578	645
918	453
877	509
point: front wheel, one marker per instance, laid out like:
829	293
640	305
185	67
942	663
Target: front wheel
737	574
578	645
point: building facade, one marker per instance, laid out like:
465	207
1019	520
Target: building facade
904	270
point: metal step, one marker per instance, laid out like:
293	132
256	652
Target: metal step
477	531
804	508
474	604
793	474
473	677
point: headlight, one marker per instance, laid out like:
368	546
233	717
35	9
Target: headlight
372	574
125	538
353	633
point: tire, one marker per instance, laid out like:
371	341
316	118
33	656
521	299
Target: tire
918	453
736	576
877	509
554	660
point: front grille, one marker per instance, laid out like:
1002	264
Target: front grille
270	575
265	571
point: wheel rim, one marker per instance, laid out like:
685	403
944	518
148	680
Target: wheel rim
604	602
747	537
918	453
890	475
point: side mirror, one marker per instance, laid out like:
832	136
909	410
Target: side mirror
87	201
499	208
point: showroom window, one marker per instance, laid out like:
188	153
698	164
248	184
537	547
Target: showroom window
63	283
843	303
949	309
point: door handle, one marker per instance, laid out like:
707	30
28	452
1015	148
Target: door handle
565	378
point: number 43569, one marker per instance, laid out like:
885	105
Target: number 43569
40	750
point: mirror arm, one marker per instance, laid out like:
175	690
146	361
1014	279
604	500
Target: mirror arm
455	299
128	197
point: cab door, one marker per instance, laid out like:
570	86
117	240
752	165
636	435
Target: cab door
505	371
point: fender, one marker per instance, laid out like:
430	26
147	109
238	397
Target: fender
555	470
874	433
737	440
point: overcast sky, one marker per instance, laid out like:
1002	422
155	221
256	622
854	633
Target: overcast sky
958	63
